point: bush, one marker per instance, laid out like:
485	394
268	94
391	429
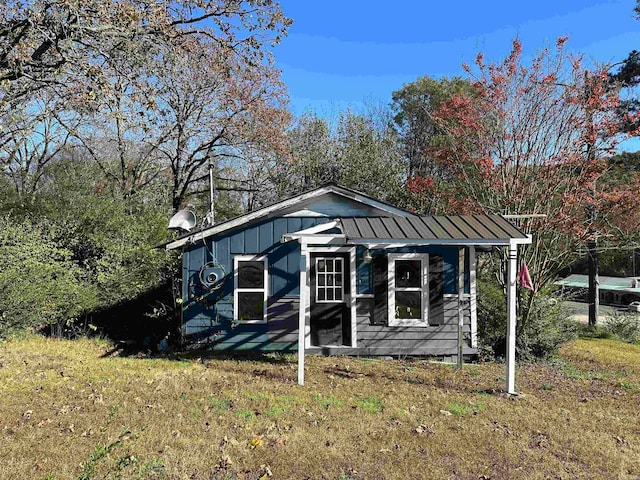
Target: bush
543	323
623	326
39	283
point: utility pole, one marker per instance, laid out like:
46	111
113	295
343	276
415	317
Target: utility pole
592	234
594	300
210	218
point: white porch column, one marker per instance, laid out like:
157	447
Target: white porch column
473	305
301	313
461	272
511	317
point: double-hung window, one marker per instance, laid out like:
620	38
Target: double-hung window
250	288
408	289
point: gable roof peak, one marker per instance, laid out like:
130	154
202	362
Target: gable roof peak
283	205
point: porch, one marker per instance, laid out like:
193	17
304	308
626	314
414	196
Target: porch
401	315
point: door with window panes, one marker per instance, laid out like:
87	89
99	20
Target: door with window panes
329	299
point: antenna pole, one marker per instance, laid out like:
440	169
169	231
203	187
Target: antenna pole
210	216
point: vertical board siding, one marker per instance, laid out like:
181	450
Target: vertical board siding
279	260
208	317
237	243
266	236
280	333
204	312
364	273
251	240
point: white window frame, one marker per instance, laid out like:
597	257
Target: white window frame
424	289
236	290
318	287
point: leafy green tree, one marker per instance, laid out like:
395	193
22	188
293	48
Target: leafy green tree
369	158
40	284
313	159
111	238
361	152
413	106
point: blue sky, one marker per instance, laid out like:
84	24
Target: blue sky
345	54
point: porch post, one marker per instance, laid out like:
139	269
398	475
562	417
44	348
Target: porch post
473	305
511	317
460	306
301	313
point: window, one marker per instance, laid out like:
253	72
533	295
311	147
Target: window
250	292
329	280
408	292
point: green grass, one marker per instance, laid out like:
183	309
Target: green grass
461	409
369	404
246	414
219	405
69	412
330	401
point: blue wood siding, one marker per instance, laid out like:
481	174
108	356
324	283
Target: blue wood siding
279	334
449	259
209	316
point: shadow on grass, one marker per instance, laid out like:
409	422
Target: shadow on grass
346	373
135	327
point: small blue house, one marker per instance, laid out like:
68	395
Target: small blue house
334	271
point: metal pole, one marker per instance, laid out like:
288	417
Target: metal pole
460	306
211	215
302	312
594	297
511	317
592	240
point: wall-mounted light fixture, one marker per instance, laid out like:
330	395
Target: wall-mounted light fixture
366	258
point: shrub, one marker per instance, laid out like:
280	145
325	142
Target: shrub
624	326
543	323
39	282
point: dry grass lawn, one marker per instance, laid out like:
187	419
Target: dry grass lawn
70	410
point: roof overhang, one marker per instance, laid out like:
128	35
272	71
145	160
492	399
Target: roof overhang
374	232
271	210
392	243
455	230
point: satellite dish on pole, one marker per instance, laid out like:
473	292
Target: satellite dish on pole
183	220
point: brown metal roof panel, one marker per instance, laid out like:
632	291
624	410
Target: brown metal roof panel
450	227
509	228
350	228
406	225
423	230
366	231
479	225
393	228
378	228
463	226
439	231
498	231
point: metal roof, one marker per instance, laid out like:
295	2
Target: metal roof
461	229
577	280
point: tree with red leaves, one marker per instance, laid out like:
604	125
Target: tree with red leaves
530	138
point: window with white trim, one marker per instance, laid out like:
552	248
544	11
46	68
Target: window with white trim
329	279
250	274
408	289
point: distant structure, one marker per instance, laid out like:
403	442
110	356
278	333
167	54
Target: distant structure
615	291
